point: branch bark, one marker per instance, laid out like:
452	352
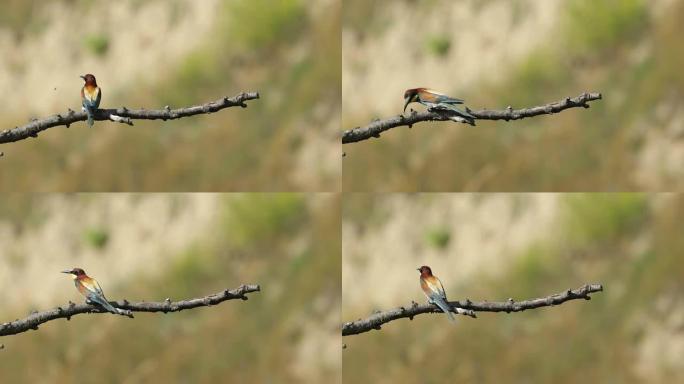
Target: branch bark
467	307
375	128
123	115
33	320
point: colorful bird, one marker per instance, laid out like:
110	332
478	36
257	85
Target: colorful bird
90	288
434	290
436	100
91	95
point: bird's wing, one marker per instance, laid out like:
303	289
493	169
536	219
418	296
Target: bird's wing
98	288
98	97
91	96
425	287
442	98
91	285
441	288
434	288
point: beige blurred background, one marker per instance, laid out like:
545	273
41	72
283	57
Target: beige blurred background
519	53
153	246
178	53
496	246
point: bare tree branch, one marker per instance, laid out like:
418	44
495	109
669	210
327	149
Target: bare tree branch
123	115
467	307
33	320
375	128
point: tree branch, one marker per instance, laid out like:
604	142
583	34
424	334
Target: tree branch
466	307
33	320
123	115
375	128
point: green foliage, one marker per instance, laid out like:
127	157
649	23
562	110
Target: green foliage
97	44
257	24
595	25
539	72
438	45
96	237
255	218
197	73
438	237
592	218
187	274
532	270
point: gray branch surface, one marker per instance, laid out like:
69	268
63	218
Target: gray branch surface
467	307
375	128
33	320
123	115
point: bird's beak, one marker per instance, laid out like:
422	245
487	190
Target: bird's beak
82	77
418	269
66	271
407	101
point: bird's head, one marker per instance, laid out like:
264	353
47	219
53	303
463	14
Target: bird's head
410	96
425	271
89	79
76	272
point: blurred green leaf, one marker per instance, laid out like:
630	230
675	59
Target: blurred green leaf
96	237
257	218
595	25
599	217
438	45
438	237
256	24
97	44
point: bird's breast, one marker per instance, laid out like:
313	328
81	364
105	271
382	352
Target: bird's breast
90	92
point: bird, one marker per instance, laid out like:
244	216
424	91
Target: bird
91	95
91	289
438	101
434	290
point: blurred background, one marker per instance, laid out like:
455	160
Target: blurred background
520	53
153	246
178	53
494	246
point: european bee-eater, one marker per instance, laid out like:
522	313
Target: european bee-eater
435	100
91	95
434	290
90	288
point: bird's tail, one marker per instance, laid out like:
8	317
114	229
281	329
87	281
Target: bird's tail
445	308
90	117
461	112
455	113
105	304
462	119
